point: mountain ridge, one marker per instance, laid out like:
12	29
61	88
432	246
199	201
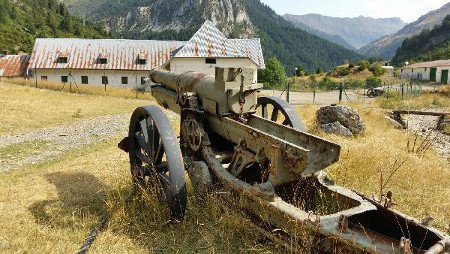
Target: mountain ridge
387	46
357	31
180	19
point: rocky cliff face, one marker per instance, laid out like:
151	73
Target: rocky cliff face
155	16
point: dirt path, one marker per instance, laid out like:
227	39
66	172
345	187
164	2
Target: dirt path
48	143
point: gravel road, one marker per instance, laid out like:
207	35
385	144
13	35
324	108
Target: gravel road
426	127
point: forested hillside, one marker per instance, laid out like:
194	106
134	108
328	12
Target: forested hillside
179	19
21	21
430	45
292	45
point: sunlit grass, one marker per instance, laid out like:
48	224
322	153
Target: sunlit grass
24	108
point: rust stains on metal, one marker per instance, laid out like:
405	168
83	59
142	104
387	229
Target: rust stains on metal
14	65
84	53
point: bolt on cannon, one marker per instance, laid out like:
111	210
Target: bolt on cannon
258	150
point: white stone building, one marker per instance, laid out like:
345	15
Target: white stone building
435	71
126	63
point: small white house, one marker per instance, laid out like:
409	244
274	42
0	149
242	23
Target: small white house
435	71
126	63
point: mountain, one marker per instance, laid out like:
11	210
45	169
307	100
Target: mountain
357	31
429	45
387	46
21	21
179	19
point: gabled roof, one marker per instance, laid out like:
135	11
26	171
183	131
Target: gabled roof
13	65
84	53
431	64
121	54
208	41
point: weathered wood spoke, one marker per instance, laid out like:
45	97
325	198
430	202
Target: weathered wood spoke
280	109
152	168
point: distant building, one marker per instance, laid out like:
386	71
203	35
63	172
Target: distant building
389	70
435	71
14	66
127	63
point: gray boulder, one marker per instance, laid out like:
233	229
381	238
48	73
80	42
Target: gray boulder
346	117
336	128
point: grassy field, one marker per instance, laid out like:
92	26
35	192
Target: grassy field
24	108
51	207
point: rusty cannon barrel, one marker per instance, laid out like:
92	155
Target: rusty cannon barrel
233	91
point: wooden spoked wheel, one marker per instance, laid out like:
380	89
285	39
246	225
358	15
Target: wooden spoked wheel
281	110
155	154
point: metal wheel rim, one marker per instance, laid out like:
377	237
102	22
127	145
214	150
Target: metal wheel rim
282	107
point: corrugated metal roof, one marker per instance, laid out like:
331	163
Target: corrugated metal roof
121	54
438	63
208	41
13	65
84	53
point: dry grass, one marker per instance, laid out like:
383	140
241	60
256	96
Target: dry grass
50	209
421	183
111	91
23	108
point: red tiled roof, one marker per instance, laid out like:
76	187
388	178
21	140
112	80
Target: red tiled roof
13	65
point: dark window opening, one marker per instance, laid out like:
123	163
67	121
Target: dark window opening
102	61
124	80
64	79
84	80
142	61
105	80
44	77
62	59
143	79
210	61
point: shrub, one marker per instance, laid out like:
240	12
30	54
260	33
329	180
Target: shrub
328	84
372	82
363	65
378	70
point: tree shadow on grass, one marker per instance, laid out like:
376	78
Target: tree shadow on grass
81	201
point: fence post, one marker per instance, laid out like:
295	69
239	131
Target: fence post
341	89
288	91
403	90
314	93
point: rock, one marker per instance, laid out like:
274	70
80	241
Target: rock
336	128
347	117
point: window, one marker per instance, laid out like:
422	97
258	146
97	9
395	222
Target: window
143	79
84	80
124	80
142	61
102	61
105	80
44	77
210	61
64	79
62	59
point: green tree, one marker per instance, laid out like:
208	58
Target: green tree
274	74
299	71
372	82
378	70
363	65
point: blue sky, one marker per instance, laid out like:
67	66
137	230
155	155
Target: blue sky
407	10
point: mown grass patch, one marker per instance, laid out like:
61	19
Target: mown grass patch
24	108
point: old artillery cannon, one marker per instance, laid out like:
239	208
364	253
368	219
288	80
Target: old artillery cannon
258	151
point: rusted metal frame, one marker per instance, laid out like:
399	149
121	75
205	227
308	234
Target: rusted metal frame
322	152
